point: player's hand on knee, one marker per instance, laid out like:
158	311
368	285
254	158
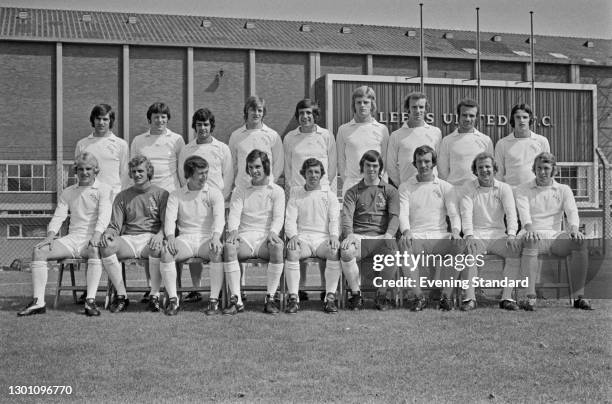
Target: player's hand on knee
513	242
294	243
47	241
348	241
216	247
95	239
405	241
232	237
106	240
273	238
334	243
156	242
171	244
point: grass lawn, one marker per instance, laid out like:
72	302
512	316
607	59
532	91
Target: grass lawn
556	354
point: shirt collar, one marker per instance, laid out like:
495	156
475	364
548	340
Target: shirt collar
362	184
414	179
264	128
477	183
533	184
405	125
168	133
372	122
318	130
186	189
110	136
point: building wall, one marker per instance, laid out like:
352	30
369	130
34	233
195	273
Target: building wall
27	100
552	73
395	66
157	74
91	75
506	71
282	80
342	64
225	95
450	68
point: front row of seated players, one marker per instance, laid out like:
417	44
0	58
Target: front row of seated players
370	211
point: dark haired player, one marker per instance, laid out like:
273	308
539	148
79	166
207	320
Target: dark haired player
370	212
414	132
458	149
256	216
425	202
197	209
311	226
515	152
110	151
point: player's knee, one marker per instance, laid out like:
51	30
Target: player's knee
92	253
276	251
40	254
347	254
154	253
166	256
215	256
230	252
293	255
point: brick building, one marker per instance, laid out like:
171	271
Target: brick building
57	64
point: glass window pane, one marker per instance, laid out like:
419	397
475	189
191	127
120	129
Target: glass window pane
34	230
13	170
38	184
14	230
37	171
25	184
13	184
25	170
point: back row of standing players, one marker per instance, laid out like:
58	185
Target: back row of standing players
228	169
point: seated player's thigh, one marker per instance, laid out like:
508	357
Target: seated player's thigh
325	252
244	250
205	252
121	248
563	245
183	250
56	251
500	247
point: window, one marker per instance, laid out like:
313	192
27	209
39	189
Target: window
69	175
26	231
26	177
576	177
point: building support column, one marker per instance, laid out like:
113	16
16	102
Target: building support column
125	93
575	74
190	87
369	65
314	72
59	118
252	83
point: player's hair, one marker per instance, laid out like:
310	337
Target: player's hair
423	150
158	108
87	158
202	115
469	103
307	103
138	160
524	107
192	163
253	102
372	156
415	95
545	157
364	91
482	156
101	110
311	162
258	154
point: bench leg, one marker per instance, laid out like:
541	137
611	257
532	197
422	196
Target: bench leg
60	276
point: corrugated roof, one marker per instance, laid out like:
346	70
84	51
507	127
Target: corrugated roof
182	30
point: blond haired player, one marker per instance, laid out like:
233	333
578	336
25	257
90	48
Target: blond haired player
88	203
